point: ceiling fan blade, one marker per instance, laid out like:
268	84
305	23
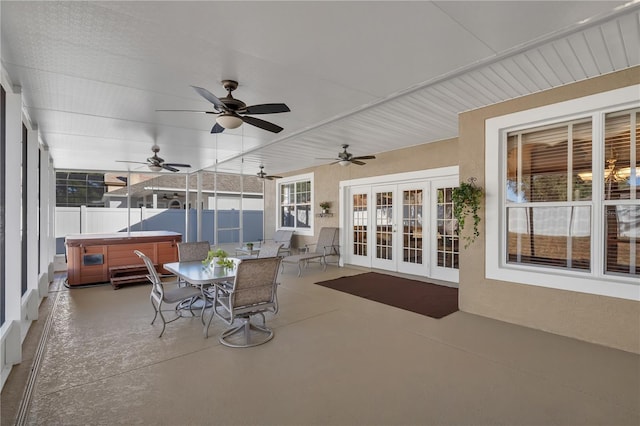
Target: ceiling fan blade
177	165
217	128
135	162
266	109
326	158
273	177
168	167
262	124
364	157
359	163
188	110
220	106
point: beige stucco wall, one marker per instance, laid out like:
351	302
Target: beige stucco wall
328	177
604	320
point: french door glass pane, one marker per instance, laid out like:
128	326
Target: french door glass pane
447	237
412	225
384	225
360	219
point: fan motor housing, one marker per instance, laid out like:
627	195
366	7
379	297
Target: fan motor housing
232	103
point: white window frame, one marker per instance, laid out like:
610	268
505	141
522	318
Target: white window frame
496	129
293	179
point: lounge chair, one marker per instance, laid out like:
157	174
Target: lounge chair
327	245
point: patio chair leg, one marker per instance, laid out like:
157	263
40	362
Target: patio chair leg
164	322
155	310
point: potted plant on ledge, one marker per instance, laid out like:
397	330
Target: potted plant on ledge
466	201
325	205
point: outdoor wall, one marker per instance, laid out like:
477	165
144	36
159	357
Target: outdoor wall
328	177
604	320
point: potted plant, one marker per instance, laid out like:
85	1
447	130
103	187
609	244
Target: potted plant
466	201
325	205
218	258
250	246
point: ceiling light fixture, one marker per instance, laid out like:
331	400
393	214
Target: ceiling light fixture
229	120
344	163
155	168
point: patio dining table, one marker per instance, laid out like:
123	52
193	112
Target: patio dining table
197	274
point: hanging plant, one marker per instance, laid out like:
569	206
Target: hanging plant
466	201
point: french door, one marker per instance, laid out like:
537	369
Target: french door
403	227
387	227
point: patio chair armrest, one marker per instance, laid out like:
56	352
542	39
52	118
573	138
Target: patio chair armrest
332	249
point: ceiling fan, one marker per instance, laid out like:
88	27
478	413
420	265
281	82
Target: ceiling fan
156	163
262	175
229	110
346	158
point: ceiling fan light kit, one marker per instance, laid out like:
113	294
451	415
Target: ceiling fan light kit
344	163
229	121
155	168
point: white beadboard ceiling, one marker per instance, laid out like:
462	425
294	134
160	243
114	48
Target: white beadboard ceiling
376	75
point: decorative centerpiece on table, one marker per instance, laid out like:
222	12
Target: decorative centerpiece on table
218	259
249	246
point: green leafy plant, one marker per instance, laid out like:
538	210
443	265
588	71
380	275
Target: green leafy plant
325	205
225	263
219	253
466	201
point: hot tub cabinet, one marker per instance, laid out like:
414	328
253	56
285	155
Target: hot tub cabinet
89	256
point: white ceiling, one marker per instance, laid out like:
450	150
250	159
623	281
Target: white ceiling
376	75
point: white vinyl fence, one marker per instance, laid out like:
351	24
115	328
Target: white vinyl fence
104	220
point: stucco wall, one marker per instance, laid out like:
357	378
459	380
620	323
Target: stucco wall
328	177
604	320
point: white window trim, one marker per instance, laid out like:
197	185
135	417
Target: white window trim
495	132
291	179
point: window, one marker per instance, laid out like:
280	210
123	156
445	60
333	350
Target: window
75	189
548	222
567	195
295	207
621	192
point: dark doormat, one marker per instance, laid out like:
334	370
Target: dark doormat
433	300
